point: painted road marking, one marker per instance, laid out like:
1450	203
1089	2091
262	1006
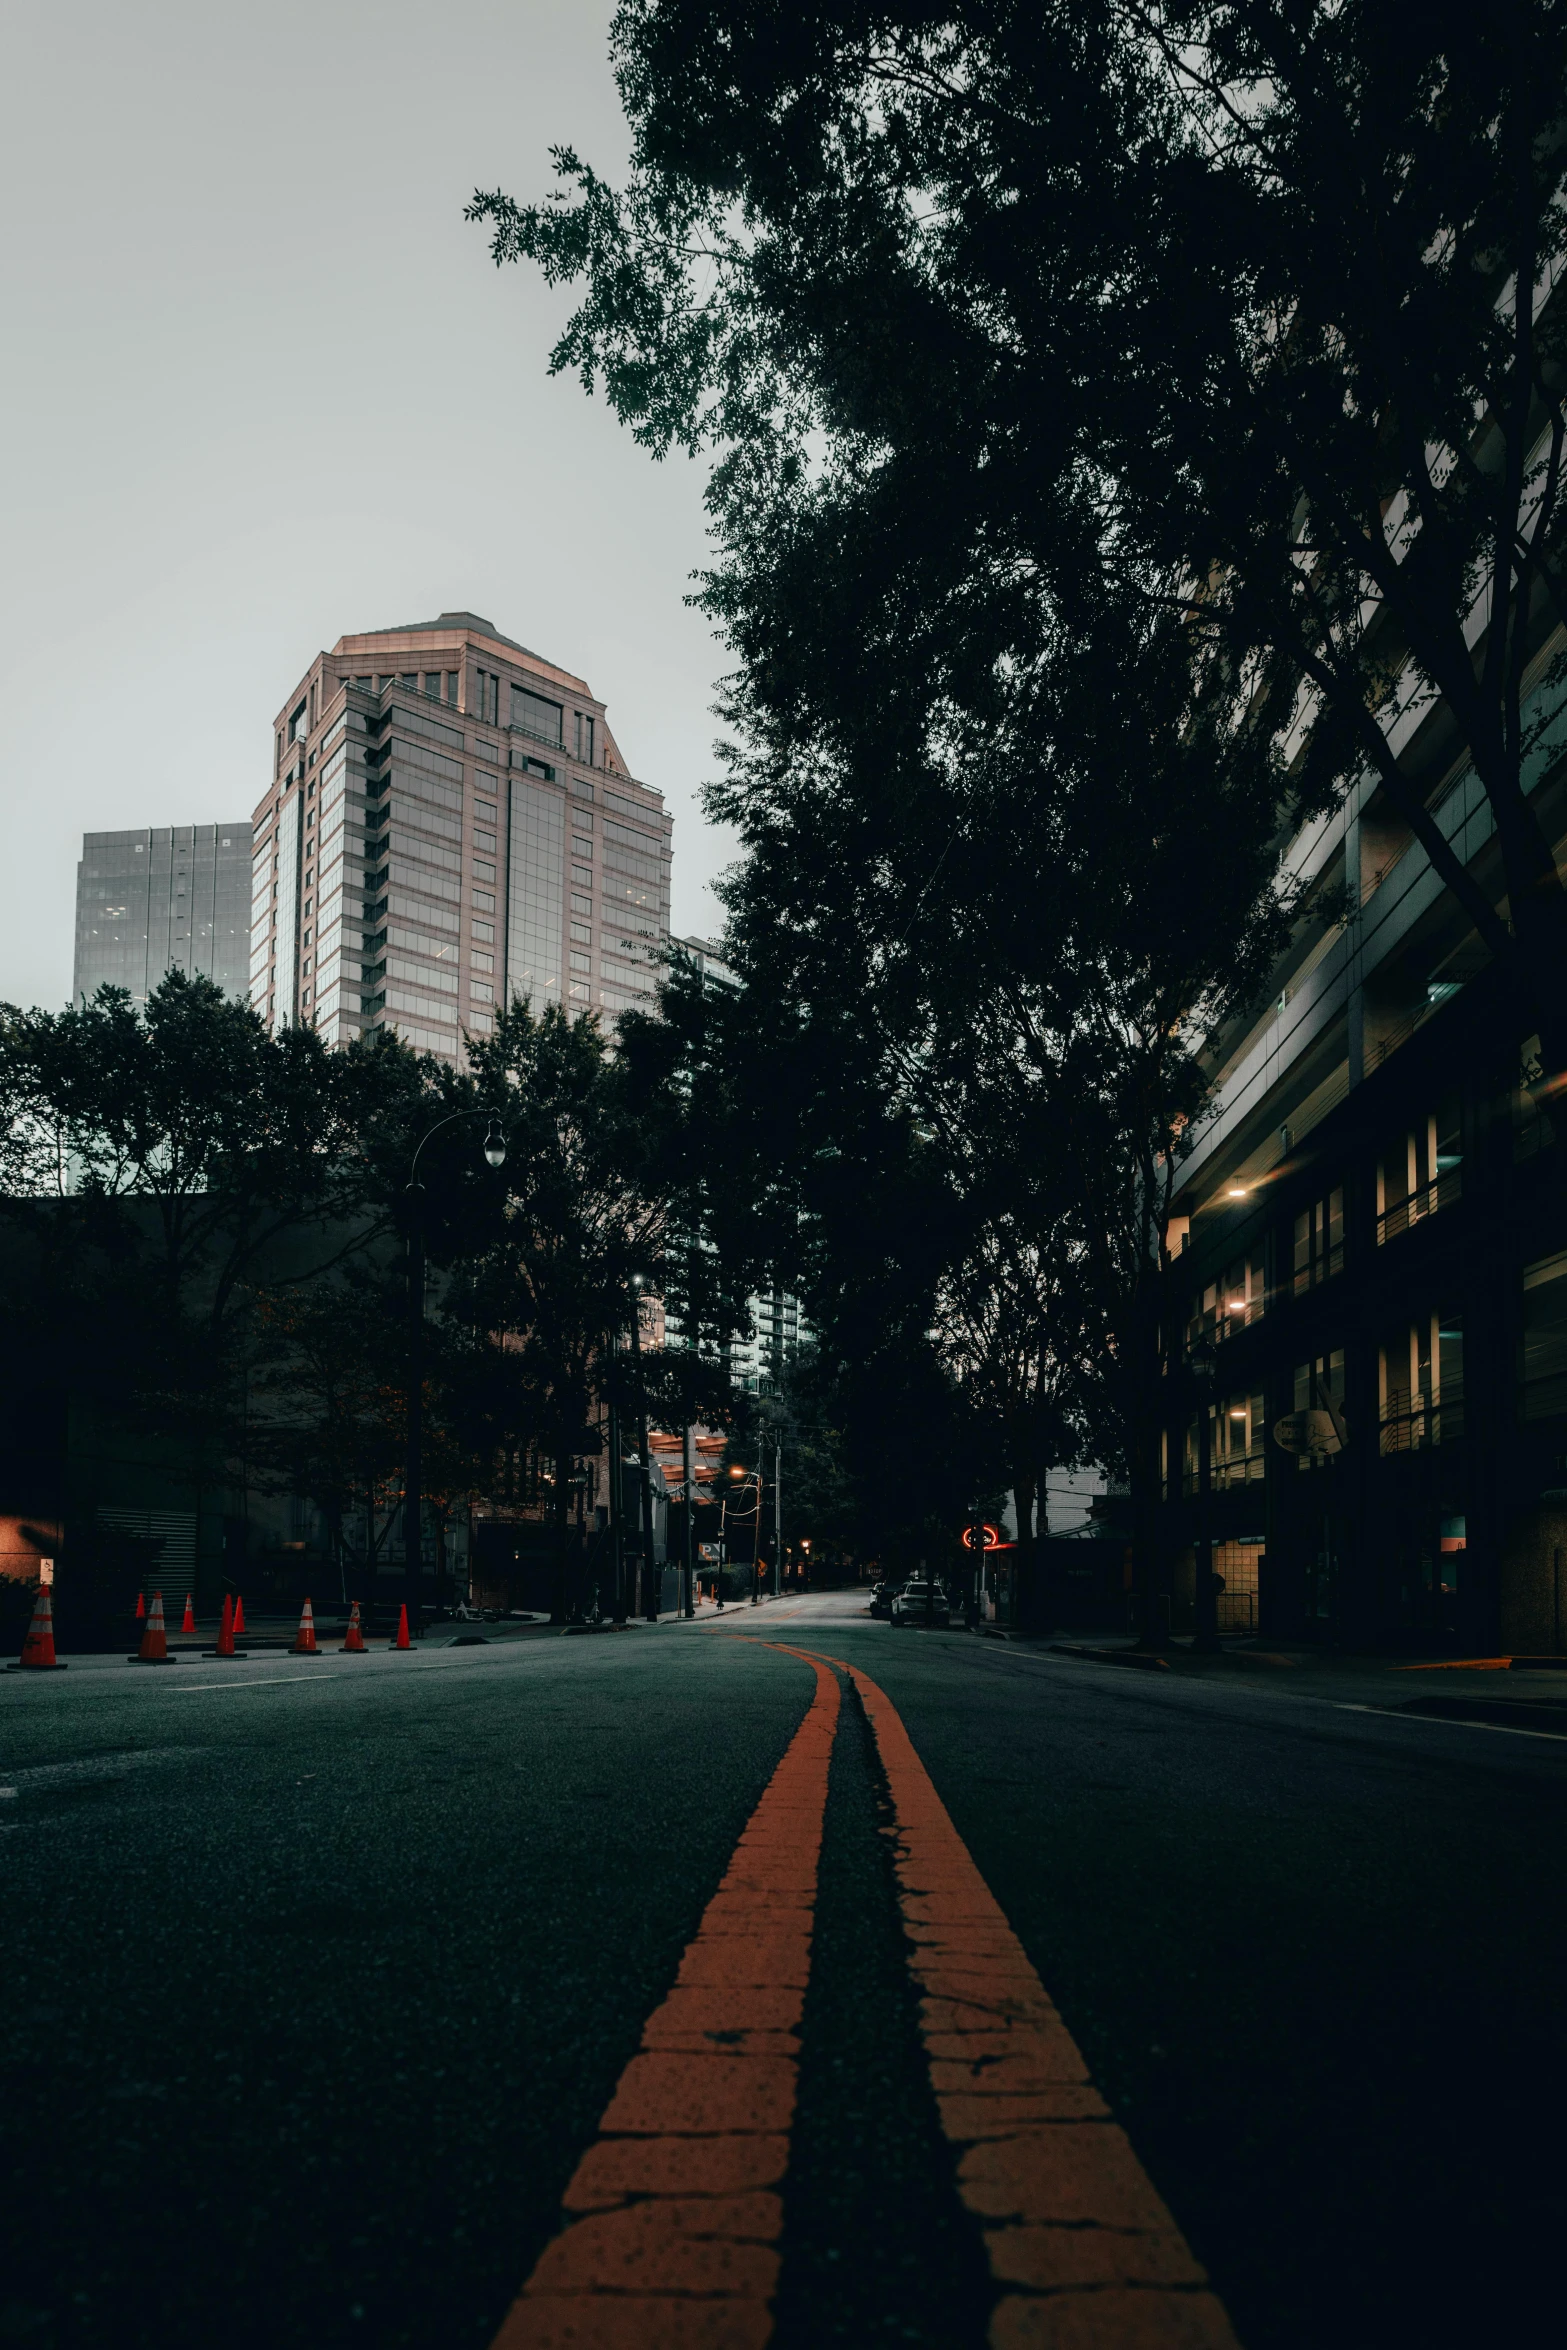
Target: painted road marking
1084	2251
673	2245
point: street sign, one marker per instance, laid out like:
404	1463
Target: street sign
992	1541
45	1574
1319	1433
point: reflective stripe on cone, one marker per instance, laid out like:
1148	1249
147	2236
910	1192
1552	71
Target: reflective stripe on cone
154	1649
38	1648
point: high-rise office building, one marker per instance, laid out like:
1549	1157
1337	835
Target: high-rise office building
449	824
176	898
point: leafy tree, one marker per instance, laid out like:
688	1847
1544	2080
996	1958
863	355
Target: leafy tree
156	1166
1225	290
549	1291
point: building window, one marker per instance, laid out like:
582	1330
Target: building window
584	739
482	962
1319	1242
531	714
484	930
1230	1304
1420	1384
582	934
432	685
1542	1371
536	840
451	687
1235	1445
1420	1173
1319	1387
583	878
410	679
296	724
581	962
581	847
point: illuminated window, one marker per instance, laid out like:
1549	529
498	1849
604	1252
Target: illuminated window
1230	1304
1319	1242
1420	1173
1420	1384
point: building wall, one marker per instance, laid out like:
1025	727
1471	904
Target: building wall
451	817
1373	1217
176	897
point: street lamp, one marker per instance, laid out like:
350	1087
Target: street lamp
413	1491
1203	1363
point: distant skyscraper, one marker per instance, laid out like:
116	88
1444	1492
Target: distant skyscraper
450	824
176	898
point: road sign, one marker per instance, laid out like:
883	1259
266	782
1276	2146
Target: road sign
992	1541
1318	1433
45	1574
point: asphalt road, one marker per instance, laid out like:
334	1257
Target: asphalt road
320	1976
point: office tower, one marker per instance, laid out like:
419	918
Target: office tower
706	958
176	898
450	823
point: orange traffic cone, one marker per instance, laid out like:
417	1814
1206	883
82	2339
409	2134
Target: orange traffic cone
189	1624
225	1643
402	1640
154	1649
239	1618
38	1648
141	1606
305	1637
354	1645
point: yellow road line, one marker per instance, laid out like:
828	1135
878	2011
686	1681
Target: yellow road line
673	2245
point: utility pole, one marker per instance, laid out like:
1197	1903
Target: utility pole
778	1509
1204	1363
617	1498
413	1468
645	1470
688	1547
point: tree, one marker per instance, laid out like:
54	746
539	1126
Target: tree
156	1166
1225	288
550	1289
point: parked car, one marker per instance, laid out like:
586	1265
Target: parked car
883	1594
921	1601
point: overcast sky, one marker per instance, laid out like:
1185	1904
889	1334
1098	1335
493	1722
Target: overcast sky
264	386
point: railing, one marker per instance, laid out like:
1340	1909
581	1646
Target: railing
1428	1421
1246	1468
1442	1192
1321	1268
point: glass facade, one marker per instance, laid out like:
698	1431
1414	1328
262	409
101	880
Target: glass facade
287	966
535	903
173	898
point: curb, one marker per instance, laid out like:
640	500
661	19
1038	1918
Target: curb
1112	1656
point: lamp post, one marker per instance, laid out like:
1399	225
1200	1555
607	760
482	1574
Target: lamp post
413	1465
777	1510
688	1538
644	1471
1203	1363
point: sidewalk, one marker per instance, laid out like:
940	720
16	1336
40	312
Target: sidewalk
1525	1695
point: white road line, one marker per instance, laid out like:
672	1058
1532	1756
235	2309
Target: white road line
196	1688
